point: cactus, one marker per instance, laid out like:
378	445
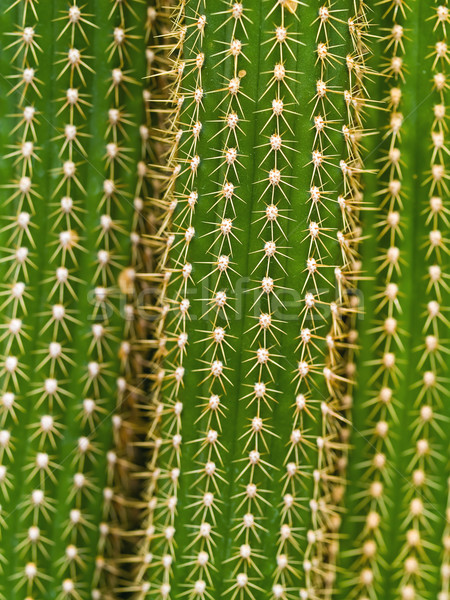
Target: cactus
283	462
225	300
395	531
74	139
259	230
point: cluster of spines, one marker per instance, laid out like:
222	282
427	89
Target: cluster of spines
188	90
68	194
351	203
325	157
342	350
430	390
222	236
166	68
255	464
338	370
165	435
150	288
50	393
19	227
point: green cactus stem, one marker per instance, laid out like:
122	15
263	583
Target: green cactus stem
72	109
221	376
395	540
257	268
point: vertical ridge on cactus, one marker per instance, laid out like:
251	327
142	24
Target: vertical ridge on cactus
121	499
67	209
393	540
126	155
247	394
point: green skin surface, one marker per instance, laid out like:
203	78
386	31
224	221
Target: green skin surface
195	390
415	145
91	174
